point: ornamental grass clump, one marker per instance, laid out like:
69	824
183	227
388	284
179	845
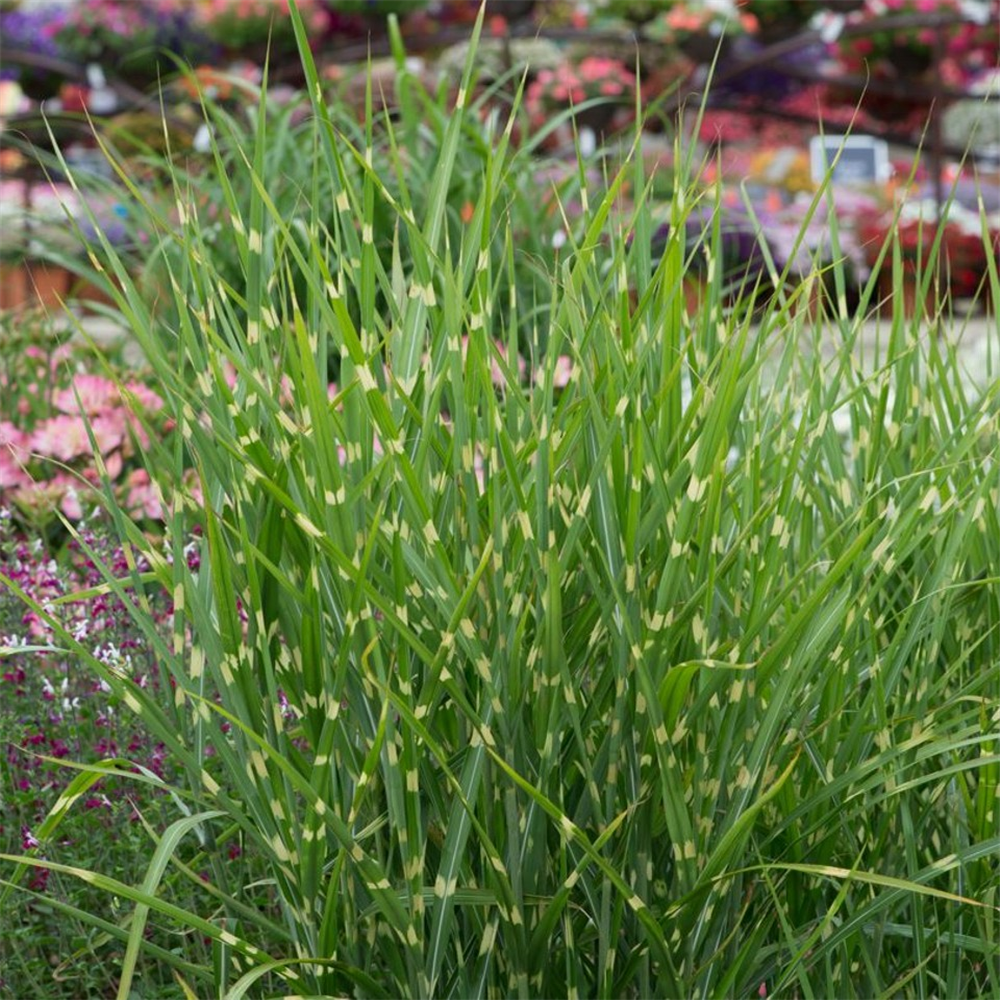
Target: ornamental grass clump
664	668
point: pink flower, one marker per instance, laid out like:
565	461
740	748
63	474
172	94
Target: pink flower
95	392
109	432
497	375
143	495
61	491
112	466
12	439
144	396
11	474
13	455
59	357
65	437
61	437
131	426
70	504
563	374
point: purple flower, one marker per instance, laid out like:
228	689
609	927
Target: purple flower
764	79
32	31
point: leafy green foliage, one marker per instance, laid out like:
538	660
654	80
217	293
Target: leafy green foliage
673	676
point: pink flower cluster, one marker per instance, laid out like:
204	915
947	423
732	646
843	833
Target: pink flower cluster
235	23
127	20
573	83
48	453
683	20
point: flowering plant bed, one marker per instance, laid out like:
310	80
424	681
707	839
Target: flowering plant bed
129	38
239	25
56	419
696	30
960	248
35	31
574	82
635	11
56	718
954	251
901	50
376	8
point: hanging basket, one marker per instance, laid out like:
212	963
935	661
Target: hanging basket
910	64
700	47
514	10
772	32
895	108
40	86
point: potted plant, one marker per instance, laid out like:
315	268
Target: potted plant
246	27
32	218
779	19
28	282
13	278
376	8
129	40
34	32
637	11
696	30
572	83
904	51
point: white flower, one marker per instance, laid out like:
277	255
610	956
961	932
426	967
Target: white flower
68	704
